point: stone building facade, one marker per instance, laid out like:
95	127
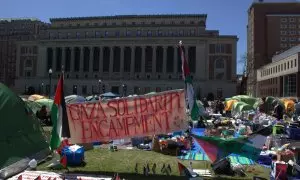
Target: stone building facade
139	51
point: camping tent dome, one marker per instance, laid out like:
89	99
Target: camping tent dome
21	138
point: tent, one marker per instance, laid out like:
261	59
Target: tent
74	99
45	102
246	99
34	106
21	137
241	106
109	95
93	98
229	104
35	97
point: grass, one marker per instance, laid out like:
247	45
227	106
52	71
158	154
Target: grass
104	162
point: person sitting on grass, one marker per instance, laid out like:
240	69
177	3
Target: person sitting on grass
43	115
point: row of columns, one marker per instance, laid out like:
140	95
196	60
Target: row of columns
111	59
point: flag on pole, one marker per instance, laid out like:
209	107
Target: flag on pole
189	89
59	116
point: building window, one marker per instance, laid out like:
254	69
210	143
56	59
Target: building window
292	19
117	33
159	33
84	89
170	33
192	22
28	74
181	33
97	34
106	33
104	24
114	24
192	32
69	35
295	62
87	24
283	20
77	34
95	24
220	64
28	63
283	26
78	25
292	26
133	23
219	93
283	32
149	33
291	64
138	33
86	34
292	32
128	33
158	89
284	66
293	39
283	39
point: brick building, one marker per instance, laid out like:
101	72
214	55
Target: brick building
272	27
11	31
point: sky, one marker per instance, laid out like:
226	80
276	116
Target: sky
227	16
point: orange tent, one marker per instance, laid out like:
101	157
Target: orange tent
35	97
229	104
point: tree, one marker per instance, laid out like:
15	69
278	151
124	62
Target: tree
243	62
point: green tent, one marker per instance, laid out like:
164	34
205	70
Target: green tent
21	138
45	102
34	106
246	99
241	106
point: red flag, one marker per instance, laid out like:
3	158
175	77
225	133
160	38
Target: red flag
20	177
63	161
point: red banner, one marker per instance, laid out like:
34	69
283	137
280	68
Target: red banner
127	117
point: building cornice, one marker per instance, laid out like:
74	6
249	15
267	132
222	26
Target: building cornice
130	16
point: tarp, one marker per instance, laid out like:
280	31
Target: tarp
21	137
35	97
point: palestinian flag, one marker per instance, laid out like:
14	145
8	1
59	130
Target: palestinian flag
189	89
184	171
63	161
59	116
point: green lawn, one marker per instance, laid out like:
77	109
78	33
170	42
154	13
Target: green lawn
102	161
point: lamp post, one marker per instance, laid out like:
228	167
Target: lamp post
50	76
99	86
124	89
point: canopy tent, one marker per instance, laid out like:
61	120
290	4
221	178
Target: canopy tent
241	106
35	97
21	136
74	99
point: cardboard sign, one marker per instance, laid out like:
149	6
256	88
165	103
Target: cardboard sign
127	117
